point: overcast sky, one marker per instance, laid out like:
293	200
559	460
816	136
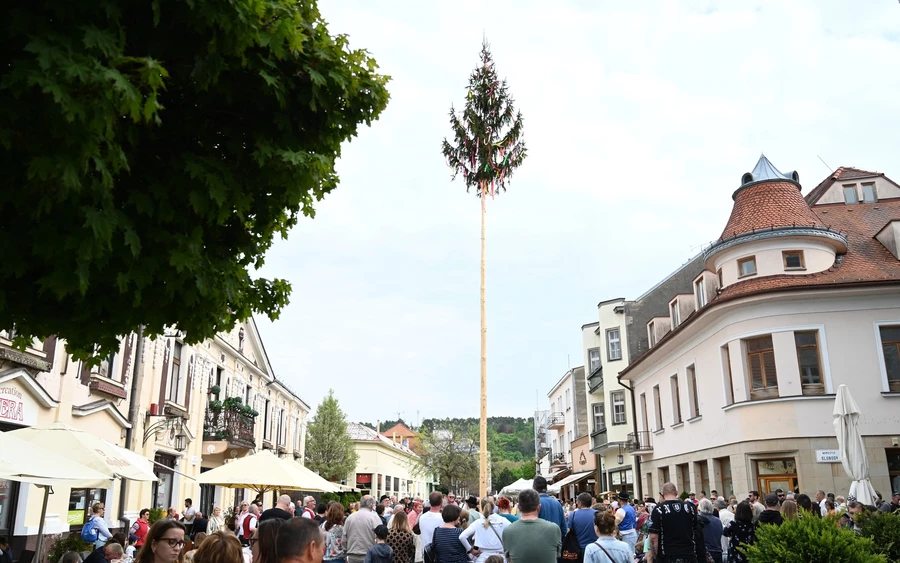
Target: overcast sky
640	118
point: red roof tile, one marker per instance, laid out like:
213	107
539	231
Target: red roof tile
842	173
866	262
767	205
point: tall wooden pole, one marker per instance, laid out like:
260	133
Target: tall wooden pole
483	474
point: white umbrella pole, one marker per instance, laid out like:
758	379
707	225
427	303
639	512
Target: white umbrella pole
48	490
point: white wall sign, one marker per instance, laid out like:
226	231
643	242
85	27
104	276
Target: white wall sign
17	406
828	456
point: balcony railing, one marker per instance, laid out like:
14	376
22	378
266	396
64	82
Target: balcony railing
599	438
556	420
639	442
230	424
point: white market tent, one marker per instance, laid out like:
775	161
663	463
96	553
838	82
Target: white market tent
514	489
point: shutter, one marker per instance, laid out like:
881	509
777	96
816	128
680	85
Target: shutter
187	391
50	349
165	375
126	358
756	374
769	363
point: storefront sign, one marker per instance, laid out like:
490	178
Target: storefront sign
17	406
828	456
364	478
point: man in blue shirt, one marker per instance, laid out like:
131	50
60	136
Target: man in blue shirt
581	521
551	509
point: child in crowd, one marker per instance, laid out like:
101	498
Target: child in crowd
380	552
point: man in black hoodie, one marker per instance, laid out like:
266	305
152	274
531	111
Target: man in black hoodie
770	515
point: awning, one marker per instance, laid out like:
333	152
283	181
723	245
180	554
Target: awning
551	476
571	480
83	447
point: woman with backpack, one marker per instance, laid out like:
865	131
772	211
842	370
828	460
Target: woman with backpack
95	531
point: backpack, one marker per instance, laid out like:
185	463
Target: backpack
89	532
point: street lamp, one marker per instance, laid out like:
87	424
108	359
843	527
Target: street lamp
180	442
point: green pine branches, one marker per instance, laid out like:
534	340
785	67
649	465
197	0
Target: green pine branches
487	142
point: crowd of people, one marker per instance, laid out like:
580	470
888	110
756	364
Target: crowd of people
535	529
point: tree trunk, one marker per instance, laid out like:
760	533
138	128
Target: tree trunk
483	477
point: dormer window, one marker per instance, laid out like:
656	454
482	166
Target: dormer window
651	330
700	292
676	318
719	275
851	197
793	260
747	266
869	193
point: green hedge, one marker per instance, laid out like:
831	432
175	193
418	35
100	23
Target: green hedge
72	542
884	530
811	540
343	498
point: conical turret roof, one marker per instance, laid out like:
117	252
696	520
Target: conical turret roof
768	199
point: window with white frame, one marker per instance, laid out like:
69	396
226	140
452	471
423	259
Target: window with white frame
618	401
676	400
568	400
569	438
675	314
176	382
890	348
869	193
613	345
651	333
807	343
594	359
691	374
700	292
644	415
657	406
599	417
761	367
107	367
851	196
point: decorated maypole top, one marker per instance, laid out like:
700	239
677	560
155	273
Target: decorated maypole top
487	135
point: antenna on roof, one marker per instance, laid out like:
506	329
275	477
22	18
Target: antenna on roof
830	169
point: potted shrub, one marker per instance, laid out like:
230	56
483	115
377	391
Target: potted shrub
214	390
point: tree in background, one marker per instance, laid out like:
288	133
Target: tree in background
448	450
487	148
329	449
151	151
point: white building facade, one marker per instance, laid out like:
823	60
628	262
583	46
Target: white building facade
609	403
798	296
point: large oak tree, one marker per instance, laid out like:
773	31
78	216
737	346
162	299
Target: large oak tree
151	151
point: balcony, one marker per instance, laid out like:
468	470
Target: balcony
282	449
639	442
230	424
595	379
599	439
297	454
556	420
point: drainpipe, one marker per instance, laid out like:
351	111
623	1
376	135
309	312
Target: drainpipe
637	459
137	377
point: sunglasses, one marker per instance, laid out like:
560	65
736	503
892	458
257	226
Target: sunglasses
173	542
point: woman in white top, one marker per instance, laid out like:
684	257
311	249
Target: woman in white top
216	522
485	533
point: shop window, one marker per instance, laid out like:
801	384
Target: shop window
80	503
162	489
8	494
893	462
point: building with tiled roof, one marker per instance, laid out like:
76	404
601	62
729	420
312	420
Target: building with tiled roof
798	296
386	467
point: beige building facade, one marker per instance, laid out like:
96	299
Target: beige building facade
386	466
798	296
197	407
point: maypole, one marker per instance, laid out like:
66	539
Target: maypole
487	147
